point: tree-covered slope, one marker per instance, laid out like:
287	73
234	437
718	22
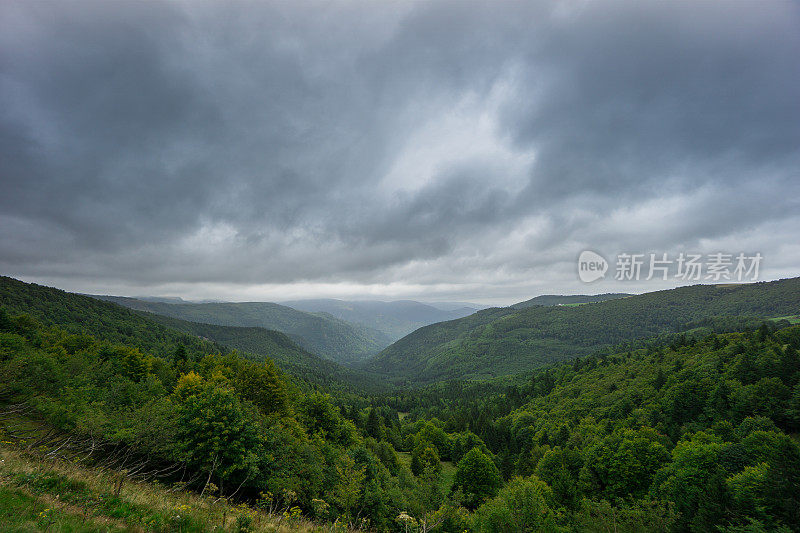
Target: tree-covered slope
505	341
162	336
222	425
78	314
290	357
395	319
570	299
704	425
321	334
695	434
260	341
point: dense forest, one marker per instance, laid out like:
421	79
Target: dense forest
506	341
686	431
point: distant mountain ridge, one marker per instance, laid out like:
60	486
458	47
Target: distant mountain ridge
395	319
290	357
570	299
321	334
505	341
452	306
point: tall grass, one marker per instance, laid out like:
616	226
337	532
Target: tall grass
58	496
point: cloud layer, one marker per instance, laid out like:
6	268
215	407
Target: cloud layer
431	150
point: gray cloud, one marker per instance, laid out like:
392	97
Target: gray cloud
459	149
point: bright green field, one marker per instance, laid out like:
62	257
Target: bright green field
793	319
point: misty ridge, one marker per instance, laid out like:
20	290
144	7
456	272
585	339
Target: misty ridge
334	329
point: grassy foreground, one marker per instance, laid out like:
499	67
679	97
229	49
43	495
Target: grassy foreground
56	496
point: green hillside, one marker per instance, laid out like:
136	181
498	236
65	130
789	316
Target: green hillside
319	333
221	426
704	425
698	434
260	341
78	314
273	344
506	341
162	336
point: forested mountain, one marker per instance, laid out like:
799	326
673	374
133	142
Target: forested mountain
394	319
163	336
504	341
78	314
267	343
572	299
319	333
695	434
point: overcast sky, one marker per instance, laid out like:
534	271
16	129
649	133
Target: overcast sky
427	150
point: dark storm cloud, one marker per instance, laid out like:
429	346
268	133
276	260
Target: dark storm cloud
426	144
651	88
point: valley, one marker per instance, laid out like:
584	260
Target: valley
601	433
